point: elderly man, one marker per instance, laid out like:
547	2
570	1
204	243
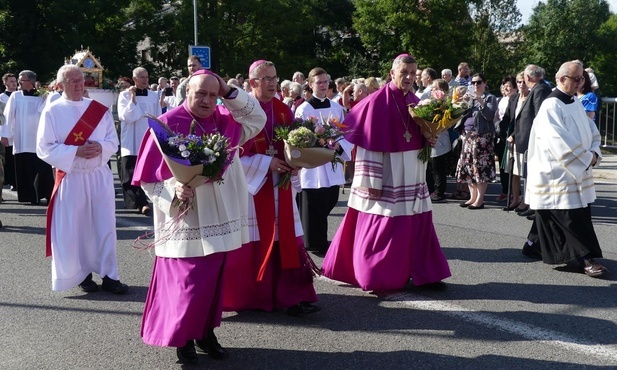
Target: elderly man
134	104
299	78
446	74
184	302
387	235
353	94
564	144
34	177
538	91
77	136
320	185
272	271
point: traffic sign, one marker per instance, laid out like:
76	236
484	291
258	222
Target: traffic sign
203	52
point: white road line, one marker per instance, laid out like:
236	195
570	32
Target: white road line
526	331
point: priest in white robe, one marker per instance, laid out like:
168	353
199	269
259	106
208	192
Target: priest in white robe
34	178
81	221
563	147
134	105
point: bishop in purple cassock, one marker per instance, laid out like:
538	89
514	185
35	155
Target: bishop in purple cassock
387	236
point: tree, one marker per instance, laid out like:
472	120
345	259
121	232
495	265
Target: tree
494	25
604	58
563	30
40	35
436	32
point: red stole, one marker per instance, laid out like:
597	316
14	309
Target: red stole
78	136
264	201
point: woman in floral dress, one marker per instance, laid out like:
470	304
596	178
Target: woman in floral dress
476	165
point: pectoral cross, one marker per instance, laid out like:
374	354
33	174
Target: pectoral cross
407	136
271	151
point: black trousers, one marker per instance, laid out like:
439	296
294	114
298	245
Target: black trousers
439	169
566	235
504	177
9	167
134	196
315	207
34	177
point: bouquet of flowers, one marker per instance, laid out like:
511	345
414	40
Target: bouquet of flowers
309	143
192	159
435	115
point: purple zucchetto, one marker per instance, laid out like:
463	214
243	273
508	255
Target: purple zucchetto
256	64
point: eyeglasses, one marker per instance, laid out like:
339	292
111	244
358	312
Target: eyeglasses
75	82
576	79
268	79
477	82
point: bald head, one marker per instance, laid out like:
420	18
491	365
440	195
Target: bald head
202	92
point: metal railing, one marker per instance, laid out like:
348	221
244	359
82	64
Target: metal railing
607	120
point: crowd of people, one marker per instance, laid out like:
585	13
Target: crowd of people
242	245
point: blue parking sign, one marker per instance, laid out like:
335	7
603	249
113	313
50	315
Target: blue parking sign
203	52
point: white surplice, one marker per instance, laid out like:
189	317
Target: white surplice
133	120
22	115
256	168
562	144
219	220
83	228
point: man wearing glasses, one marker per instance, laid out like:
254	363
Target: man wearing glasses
320	186
564	145
34	178
271	271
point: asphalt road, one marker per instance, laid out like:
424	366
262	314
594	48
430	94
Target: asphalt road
500	311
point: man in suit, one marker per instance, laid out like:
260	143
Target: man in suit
538	91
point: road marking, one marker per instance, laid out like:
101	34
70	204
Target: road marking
526	331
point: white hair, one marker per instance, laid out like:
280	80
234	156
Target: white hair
65	70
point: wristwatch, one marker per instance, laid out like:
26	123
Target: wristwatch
231	91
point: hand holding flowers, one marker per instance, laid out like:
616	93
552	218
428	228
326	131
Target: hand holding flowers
309	143
435	115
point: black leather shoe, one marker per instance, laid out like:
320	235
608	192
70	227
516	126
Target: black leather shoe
463	204
521	210
593	269
88	285
532	251
511	208
114	286
439	286
211	346
302	308
187	354
527	213
481	206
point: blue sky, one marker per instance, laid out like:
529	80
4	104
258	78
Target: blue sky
526	7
